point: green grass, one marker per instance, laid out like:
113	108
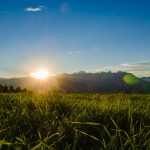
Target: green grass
74	121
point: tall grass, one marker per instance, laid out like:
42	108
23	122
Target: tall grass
74	121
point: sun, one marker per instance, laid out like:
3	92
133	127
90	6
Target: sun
42	74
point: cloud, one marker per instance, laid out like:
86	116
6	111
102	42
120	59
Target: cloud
74	52
140	69
137	64
31	9
64	7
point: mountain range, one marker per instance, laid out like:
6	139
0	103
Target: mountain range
82	82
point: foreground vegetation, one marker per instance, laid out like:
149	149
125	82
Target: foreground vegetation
74	121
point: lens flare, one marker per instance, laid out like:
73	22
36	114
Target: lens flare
131	79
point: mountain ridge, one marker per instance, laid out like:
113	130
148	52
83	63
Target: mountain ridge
83	82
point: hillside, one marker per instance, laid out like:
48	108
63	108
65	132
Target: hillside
146	79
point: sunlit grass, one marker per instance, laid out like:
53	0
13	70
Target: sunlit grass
74	121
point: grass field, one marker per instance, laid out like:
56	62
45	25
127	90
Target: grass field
74	121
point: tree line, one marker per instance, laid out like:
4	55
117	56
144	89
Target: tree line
11	89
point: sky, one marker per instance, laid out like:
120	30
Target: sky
73	35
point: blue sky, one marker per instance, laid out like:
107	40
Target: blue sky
73	35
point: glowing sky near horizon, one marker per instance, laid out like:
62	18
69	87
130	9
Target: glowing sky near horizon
74	35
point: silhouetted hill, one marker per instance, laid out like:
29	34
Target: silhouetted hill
83	82
103	82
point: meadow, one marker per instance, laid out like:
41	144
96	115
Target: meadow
74	121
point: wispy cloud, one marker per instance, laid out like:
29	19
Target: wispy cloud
140	69
74	52
35	9
137	64
64	7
